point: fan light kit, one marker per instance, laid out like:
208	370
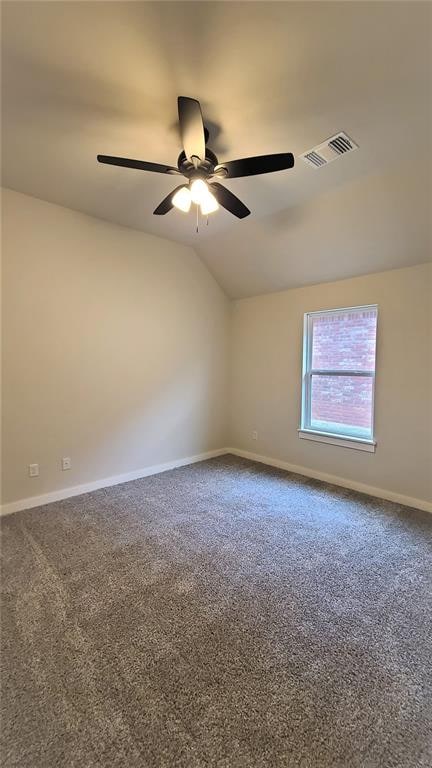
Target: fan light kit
198	193
202	169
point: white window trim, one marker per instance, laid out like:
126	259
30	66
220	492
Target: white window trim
305	431
359	443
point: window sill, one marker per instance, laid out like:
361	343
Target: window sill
358	443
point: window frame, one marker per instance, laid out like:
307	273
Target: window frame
305	430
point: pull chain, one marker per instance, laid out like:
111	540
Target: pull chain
197	220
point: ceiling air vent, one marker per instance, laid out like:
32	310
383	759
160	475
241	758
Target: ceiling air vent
329	150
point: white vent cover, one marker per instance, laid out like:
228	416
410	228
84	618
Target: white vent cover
329	150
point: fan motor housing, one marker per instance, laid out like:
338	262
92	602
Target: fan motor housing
206	167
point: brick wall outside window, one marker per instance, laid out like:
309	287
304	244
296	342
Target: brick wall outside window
344	341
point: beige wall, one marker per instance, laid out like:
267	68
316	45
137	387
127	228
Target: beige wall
115	354
114	349
266	359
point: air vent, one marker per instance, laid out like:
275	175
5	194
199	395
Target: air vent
314	158
329	150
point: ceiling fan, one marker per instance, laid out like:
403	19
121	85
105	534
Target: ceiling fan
202	169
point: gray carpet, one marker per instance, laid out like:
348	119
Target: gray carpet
223	614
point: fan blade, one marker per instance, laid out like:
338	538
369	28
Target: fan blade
191	127
167	204
252	166
229	201
139	164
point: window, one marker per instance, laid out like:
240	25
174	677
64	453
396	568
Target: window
339	377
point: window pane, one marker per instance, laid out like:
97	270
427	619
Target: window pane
342	404
344	341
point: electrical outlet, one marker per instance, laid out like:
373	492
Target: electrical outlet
66	463
33	470
254	435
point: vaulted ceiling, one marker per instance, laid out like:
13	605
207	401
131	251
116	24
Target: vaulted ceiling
82	78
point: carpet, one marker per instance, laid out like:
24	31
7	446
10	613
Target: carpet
222	614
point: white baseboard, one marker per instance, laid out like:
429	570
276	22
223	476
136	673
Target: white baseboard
106	482
352	485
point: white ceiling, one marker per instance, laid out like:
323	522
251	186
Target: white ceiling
82	78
